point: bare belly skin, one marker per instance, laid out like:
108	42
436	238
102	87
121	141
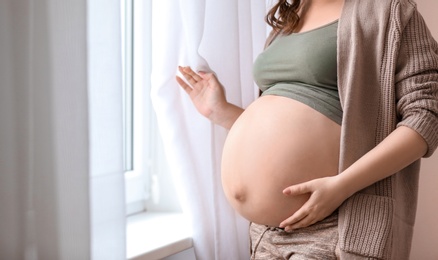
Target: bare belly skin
275	143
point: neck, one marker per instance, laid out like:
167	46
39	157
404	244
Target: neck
319	6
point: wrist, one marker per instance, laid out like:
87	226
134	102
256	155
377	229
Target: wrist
225	114
345	185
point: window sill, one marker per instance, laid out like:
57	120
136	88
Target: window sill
154	235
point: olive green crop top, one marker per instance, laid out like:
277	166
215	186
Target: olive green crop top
303	66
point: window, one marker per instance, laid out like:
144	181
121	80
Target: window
145	163
127	59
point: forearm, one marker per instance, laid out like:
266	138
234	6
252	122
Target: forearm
402	147
225	115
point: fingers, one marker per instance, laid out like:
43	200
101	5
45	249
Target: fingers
298	189
305	216
302	218
190	75
184	85
322	202
304	222
295	218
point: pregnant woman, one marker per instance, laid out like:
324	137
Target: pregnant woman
324	164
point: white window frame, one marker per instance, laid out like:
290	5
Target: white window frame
136	178
148	178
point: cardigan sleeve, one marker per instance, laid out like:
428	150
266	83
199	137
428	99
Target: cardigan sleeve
417	81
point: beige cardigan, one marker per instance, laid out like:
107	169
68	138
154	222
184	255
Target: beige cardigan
387	77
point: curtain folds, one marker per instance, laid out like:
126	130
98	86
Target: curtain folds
61	175
222	36
44	183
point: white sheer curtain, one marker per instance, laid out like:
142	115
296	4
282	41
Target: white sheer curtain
223	36
61	176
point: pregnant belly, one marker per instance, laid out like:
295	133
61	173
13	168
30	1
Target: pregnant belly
275	143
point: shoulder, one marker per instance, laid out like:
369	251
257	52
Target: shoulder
401	10
383	3
404	5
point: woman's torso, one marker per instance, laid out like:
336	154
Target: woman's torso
289	135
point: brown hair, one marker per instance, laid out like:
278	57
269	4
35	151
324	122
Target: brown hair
284	16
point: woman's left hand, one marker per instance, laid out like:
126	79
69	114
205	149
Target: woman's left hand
326	195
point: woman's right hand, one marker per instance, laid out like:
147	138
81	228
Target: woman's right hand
208	96
204	89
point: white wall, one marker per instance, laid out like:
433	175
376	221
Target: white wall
425	244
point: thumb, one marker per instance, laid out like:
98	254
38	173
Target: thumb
298	189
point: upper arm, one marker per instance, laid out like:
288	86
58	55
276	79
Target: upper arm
417	81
